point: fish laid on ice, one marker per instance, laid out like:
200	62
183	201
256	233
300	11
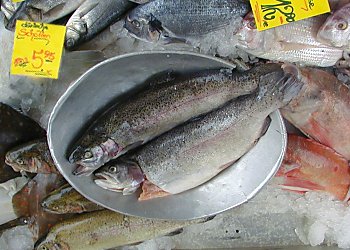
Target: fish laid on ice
66	200
322	110
336	29
91	18
159	108
107	229
193	153
45	11
295	42
310	166
33	157
15	129
174	21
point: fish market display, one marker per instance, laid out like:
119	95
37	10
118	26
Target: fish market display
155	20
336	29
32	157
162	106
310	166
322	110
106	229
91	18
295	42
27	203
15	129
44	11
67	200
193	153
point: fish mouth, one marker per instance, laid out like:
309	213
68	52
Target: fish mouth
83	170
106	181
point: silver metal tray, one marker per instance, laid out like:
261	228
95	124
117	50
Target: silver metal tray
112	78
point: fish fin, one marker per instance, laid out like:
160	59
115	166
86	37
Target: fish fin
176	232
162	77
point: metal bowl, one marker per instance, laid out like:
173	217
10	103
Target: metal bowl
107	82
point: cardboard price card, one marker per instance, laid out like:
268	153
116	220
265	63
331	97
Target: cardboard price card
17	1
272	13
37	49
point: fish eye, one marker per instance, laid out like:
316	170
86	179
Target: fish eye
20	161
342	25
44	248
252	25
136	23
87	154
112	169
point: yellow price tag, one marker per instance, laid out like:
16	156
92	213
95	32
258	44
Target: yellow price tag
17	1
37	49
272	13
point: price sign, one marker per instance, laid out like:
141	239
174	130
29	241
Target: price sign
17	1
272	13
37	49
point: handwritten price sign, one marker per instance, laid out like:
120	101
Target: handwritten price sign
272	13
37	49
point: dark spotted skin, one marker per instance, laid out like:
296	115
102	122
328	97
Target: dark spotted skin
165	105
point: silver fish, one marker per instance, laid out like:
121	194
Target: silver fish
164	105
8	7
44	11
193	153
174	21
336	29
295	42
91	18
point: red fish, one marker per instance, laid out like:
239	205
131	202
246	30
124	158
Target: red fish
310	166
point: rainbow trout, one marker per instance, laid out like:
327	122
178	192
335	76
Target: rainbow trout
158	109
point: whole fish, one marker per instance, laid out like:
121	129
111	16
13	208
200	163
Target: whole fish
336	29
67	200
44	11
311	166
295	42
322	110
91	18
15	129
193	153
173	21
159	108
107	229
33	157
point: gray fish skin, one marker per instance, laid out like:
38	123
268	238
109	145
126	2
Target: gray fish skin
45	11
8	8
140	1
193	153
172	21
158	109
92	17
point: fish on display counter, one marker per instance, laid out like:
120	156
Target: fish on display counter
295	42
335	31
311	166
32	157
67	200
322	110
154	21
91	18
164	105
107	229
193	153
45	11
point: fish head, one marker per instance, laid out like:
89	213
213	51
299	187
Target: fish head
143	27
248	35
24	158
336	29
74	33
52	245
120	176
90	158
